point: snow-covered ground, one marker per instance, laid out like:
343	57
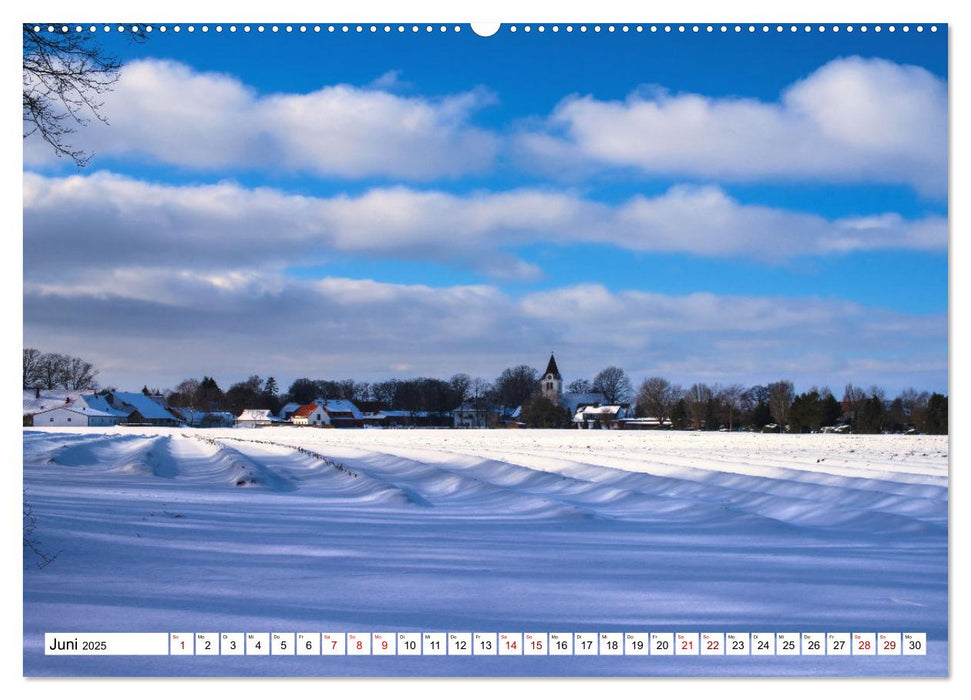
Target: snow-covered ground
304	530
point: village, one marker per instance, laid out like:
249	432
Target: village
520	398
67	408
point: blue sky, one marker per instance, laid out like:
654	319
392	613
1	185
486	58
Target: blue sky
724	207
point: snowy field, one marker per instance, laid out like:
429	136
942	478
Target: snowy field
306	530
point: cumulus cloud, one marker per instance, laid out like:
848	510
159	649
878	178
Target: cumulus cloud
109	221
170	113
170	325
853	119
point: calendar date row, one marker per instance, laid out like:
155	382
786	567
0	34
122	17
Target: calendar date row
489	644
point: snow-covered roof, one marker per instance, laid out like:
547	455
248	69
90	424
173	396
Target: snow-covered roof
98	402
288	409
381	415
195	415
603	409
145	405
256	414
342	406
49	398
592	412
80	410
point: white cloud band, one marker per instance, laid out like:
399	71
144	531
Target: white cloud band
851	120
107	220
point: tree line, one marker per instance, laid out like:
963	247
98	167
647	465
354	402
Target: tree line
700	406
52	370
733	406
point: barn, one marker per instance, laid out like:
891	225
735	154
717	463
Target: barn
74	417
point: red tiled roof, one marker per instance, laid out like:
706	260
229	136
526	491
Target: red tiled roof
305	410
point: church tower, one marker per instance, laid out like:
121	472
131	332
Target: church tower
552	383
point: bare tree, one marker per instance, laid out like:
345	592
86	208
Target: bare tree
32	359
781	395
655	398
80	374
52	370
614	384
853	398
185	393
515	385
580	386
65	75
697	397
384	392
877	392
478	391
730	398
914	404
459	384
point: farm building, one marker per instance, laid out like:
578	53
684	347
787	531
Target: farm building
195	418
255	418
343	413
311	414
601	416
73	416
138	408
287	411
37	400
338	413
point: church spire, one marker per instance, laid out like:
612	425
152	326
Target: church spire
552	382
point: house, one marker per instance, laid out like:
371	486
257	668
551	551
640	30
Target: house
99	403
37	400
73	416
343	413
106	408
337	413
139	408
601	416
312	413
287	411
392	418
474	414
573	402
255	418
195	418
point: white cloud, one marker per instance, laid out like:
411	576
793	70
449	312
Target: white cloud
161	326
172	114
853	119
109	221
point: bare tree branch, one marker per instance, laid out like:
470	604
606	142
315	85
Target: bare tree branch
65	75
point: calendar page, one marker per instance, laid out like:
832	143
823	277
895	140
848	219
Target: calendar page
518	350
